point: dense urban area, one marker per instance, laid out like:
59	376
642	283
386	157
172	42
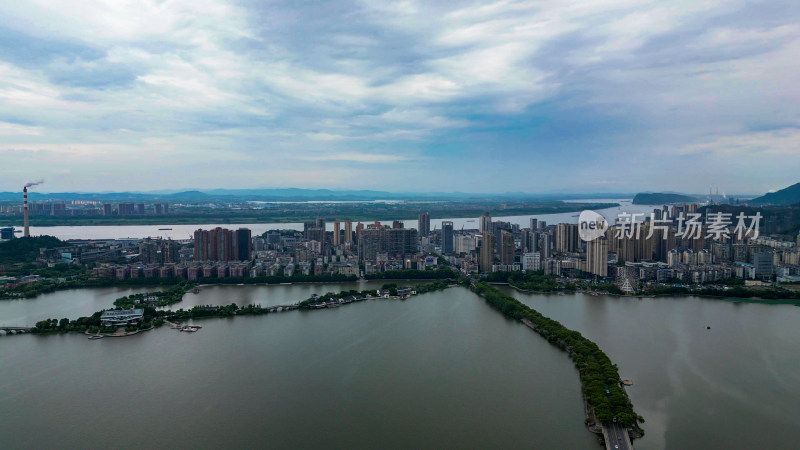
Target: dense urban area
654	254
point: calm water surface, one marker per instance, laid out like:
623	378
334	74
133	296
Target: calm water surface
438	370
734	386
441	370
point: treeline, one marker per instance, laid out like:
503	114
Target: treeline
277	279
164	298
734	292
48	286
26	249
600	380
92	324
412	274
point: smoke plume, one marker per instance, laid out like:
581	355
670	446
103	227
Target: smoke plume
33	183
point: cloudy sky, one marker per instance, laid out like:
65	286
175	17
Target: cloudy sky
542	96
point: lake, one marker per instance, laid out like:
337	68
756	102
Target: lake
441	370
438	370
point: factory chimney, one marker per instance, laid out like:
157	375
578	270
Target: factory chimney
26	224
25	212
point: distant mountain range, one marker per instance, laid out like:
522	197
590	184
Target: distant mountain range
292	194
786	196
659	198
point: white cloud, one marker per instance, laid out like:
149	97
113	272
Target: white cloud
774	143
227	83
371	158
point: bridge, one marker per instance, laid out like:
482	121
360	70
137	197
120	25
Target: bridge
616	437
279	308
14	330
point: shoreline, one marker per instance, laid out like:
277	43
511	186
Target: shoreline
753	300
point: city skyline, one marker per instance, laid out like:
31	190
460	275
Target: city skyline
512	96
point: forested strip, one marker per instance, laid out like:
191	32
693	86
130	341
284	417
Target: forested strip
600	379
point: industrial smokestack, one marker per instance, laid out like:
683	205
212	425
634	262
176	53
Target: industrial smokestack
25	211
26	223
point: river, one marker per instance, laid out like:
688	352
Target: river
185	231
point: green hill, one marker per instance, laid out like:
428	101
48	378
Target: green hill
26	249
786	196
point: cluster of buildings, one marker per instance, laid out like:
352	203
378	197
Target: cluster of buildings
86	208
658	252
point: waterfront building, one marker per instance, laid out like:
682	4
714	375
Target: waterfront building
121	317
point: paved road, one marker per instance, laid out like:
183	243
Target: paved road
617	435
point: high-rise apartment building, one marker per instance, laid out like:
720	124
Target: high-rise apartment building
348	232
567	237
424	225
242	245
597	257
221	244
486	223
547	245
125	209
486	259
507	247
337	234
447	237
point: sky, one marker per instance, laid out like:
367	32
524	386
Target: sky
509	96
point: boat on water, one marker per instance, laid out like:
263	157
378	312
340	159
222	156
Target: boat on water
165	229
